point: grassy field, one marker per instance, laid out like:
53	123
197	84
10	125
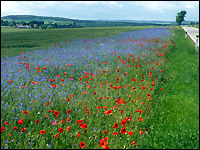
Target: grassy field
14	41
175	117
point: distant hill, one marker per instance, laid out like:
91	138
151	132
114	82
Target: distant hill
87	23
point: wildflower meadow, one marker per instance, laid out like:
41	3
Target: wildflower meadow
84	93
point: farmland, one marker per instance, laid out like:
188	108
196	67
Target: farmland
14	41
118	87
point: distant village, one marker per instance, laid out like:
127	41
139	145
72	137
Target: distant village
38	25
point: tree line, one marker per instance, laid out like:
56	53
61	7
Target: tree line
40	24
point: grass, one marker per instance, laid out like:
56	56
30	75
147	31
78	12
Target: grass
14	41
175	117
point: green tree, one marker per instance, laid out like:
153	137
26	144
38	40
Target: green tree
180	17
50	27
43	26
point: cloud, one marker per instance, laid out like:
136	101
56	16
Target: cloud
189	6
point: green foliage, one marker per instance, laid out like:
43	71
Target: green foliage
180	17
50	27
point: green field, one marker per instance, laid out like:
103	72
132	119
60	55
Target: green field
14	41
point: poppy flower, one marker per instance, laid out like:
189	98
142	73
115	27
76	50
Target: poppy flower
78	135
60	130
54	86
15	128
72	95
62	121
68	99
20	121
57	135
123	131
105	131
37	121
24	112
115	133
140	131
56	113
123	123
42	132
149	98
133	142
23	130
47	104
69	111
103	143
115	125
2	129
79	121
5	123
82	145
84	126
95	93
140	119
83	92
130	133
104	107
68	128
106	147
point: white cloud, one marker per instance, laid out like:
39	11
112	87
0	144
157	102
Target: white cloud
189	6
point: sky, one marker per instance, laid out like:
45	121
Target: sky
104	10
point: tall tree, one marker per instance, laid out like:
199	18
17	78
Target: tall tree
180	17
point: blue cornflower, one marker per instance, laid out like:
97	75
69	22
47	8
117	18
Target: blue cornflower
6	141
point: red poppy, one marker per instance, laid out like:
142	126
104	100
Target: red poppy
82	145
54	86
95	93
23	86
57	135
140	119
47	104
123	131
103	143
15	128
5	123
68	128
133	142
69	111
78	135
42	132
130	133
105	131
24	112
115	133
115	125
2	128
72	95
68	99
84	126
106	147
123	123
79	121
23	130
37	121
56	113
140	131
60	130
62	121
20	121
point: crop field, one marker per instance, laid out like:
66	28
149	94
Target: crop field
99	92
15	41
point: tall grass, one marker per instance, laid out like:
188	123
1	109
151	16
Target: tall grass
174	118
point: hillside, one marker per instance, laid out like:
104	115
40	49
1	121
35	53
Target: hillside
83	23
